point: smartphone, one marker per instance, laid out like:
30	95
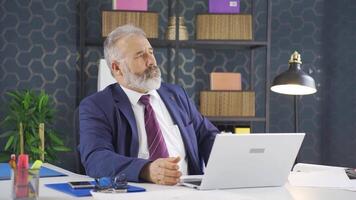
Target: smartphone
81	184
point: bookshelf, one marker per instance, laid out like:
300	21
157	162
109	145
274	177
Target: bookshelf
177	45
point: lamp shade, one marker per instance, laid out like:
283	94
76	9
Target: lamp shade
294	81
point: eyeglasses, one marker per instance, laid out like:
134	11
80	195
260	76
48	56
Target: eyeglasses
115	184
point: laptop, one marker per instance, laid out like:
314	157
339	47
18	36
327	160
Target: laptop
248	160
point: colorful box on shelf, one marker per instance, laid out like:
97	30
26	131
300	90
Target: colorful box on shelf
138	5
224	6
148	21
224	27
227	103
225	81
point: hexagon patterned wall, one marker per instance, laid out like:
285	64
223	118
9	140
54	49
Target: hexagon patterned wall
38	50
297	26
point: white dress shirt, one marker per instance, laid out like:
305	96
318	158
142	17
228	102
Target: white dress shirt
170	131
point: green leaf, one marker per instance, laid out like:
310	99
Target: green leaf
8	118
61	148
54	138
43	101
35	150
27	100
15	95
7	133
31	141
9	142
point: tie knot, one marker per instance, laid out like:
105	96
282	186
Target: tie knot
145	99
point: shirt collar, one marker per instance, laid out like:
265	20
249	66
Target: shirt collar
134	96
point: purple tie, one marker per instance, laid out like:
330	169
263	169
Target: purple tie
155	141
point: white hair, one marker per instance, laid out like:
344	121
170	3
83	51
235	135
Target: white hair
112	52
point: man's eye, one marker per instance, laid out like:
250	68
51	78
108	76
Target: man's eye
139	55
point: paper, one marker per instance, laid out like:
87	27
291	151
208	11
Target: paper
304	167
325	178
309	175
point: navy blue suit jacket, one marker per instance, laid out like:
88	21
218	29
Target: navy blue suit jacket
108	133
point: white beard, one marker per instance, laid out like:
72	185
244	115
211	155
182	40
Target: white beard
149	80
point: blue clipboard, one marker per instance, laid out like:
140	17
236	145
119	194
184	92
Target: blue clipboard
5	172
84	192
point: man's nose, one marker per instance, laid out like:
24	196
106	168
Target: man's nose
150	59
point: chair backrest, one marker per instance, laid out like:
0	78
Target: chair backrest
104	75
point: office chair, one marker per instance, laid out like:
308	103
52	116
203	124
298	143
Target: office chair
104	75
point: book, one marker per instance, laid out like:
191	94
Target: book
139	5
242	130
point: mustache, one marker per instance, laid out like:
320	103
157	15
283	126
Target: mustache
152	71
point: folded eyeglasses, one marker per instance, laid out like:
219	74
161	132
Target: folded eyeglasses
117	184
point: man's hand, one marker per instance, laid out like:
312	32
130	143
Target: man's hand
163	171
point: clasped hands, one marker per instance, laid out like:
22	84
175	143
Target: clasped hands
164	171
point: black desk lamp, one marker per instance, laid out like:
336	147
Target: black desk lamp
294	82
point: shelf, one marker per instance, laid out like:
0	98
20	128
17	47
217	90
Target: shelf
196	44
154	42
221	44
237	119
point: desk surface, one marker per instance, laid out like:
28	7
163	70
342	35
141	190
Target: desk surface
155	192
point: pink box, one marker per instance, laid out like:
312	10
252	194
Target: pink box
224	6
225	81
137	5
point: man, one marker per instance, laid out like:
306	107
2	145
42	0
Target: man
145	129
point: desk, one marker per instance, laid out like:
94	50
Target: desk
156	192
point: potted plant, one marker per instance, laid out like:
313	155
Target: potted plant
28	126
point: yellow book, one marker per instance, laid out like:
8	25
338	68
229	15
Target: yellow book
242	130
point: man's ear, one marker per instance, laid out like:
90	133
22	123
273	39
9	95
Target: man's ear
116	69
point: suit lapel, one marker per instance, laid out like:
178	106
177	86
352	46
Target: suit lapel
173	108
123	104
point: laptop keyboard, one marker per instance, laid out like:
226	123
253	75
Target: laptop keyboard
197	183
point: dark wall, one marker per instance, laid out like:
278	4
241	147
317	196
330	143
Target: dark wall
324	33
339	106
39	50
